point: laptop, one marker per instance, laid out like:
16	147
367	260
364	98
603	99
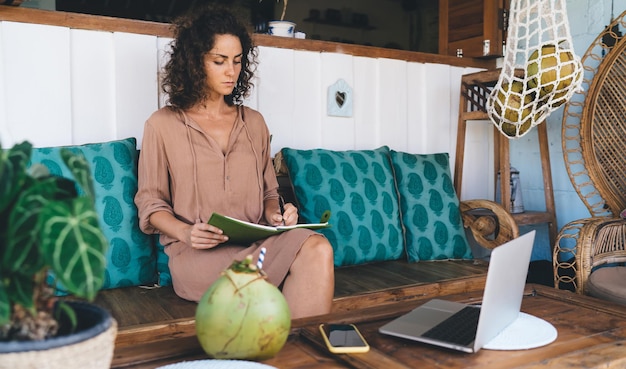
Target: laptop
466	327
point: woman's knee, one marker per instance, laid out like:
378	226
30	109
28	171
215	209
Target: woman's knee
322	248
317	250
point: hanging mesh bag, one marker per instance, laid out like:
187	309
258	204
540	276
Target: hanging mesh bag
540	71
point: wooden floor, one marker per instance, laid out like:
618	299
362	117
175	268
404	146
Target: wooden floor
383	282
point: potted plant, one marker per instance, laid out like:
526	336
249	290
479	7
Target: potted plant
50	235
281	27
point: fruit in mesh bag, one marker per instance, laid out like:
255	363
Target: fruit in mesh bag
551	69
514	106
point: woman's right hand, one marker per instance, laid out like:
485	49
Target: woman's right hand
199	235
205	236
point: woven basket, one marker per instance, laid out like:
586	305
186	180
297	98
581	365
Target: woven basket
95	352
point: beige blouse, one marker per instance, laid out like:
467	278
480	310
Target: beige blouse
183	171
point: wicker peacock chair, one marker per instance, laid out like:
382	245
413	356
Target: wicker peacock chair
594	148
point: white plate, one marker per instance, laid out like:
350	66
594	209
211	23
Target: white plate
217	364
526	332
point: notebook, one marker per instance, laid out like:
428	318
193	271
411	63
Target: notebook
243	233
442	323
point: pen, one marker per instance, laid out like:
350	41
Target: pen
281	204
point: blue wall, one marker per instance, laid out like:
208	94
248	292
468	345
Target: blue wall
587	18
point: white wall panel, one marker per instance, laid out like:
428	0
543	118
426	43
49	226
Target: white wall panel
393	85
366	96
136	96
163	51
275	89
478	169
337	132
437	82
417	107
36	61
305	129
93	86
253	98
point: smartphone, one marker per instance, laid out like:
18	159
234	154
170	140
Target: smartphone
343	338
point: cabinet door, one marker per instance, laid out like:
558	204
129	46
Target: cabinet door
477	27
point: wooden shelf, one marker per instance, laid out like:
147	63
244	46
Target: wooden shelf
533	217
475	89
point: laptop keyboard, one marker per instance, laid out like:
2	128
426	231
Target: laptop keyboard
459	328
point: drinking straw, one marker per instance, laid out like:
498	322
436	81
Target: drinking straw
259	263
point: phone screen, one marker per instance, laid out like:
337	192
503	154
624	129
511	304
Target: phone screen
343	335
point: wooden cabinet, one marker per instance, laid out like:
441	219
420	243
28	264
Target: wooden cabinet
477	27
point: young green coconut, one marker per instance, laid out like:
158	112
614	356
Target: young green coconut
552	69
242	316
514	107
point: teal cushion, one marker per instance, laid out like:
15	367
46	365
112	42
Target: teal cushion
131	260
163	269
358	188
429	207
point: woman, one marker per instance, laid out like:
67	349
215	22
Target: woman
205	152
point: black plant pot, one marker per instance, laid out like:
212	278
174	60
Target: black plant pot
89	346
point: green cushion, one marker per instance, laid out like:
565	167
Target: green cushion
358	188
429	207
131	260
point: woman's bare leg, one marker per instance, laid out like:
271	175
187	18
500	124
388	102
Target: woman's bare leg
310	284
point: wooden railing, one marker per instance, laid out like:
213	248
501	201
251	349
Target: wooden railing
102	23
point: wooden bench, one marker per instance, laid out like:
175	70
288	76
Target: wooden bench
137	309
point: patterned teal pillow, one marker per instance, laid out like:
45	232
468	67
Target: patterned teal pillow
163	269
131	260
429	207
358	188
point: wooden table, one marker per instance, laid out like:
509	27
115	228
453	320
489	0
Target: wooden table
591	334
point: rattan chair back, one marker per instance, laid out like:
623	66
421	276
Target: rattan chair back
594	125
594	149
603	133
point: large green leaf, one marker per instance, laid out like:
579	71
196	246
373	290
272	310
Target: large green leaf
21	289
22	236
12	178
12	172
5	306
16	288
79	167
74	245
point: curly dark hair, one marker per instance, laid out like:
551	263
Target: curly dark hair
194	35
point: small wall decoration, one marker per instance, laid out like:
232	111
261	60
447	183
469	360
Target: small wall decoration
340	99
